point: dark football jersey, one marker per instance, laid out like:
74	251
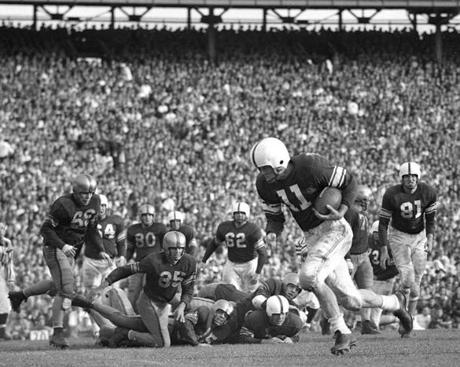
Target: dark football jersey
144	240
407	210
360	227
163	279
111	230
68	221
310	175
242	242
374	255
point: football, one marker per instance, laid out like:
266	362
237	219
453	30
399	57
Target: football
329	196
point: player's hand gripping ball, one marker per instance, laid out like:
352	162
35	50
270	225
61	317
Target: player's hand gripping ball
329	196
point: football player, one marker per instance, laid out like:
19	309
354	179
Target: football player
384	278
278	320
110	228
411	207
142	239
176	223
71	219
7	279
164	271
361	268
296	183
247	252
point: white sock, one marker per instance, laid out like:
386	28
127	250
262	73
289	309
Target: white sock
390	303
338	324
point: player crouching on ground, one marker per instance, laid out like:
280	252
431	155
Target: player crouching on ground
164	272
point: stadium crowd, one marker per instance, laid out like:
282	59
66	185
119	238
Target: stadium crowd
153	120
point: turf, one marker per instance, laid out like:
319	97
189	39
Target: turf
427	348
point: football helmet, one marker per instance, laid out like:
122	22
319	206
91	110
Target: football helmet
410	168
270	152
291	285
175	219
83	188
174	246
240	212
407	171
363	196
277	309
222	310
104	204
147	214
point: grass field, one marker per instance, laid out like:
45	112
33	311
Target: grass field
427	348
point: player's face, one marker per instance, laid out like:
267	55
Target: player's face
220	318
175	254
361	204
410	182
147	219
239	218
270	173
291	291
277	319
103	210
84	197
175	224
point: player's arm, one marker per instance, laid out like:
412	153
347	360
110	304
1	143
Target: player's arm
430	222
56	216
217	241
121	242
130	245
260	295
344	181
385	215
271	205
125	271
188	286
263	255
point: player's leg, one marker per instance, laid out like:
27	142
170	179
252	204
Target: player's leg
208	291
60	267
155	317
135	284
400	244
364	278
419	260
230	275
42	287
247	273
384	287
325	247
4	308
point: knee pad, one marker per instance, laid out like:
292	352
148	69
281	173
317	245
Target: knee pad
407	276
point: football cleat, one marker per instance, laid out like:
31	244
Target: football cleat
80	301
16	298
120	335
406	323
58	341
343	343
369	328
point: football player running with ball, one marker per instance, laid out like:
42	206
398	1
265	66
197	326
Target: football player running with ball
411	206
296	182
